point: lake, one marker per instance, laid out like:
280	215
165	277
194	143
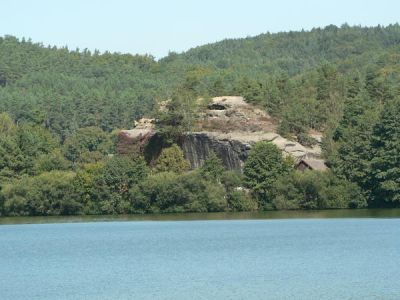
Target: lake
307	258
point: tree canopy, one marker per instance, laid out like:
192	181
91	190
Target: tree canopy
263	167
61	111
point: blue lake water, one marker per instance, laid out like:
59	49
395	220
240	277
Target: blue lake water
231	259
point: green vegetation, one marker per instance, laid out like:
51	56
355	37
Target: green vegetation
171	160
263	167
315	190
45	194
213	168
60	112
170	192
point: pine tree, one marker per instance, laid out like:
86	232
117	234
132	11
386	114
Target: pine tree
386	156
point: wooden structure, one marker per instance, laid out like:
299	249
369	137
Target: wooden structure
311	164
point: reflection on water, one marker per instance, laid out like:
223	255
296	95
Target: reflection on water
298	214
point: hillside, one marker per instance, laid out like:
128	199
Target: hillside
61	112
66	90
228	126
294	52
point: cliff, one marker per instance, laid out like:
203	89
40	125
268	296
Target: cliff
233	148
229	126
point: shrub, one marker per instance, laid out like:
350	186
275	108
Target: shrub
46	194
172	160
240	200
88	144
118	176
306	140
170	192
49	162
315	190
263	167
213	167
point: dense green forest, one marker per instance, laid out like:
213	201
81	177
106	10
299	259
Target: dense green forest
61	110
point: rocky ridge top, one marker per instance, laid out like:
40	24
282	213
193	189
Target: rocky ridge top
232	118
229	126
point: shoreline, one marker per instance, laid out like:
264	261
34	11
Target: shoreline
374	213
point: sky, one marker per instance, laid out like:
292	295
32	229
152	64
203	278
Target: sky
156	27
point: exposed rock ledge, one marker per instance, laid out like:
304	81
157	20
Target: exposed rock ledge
229	127
233	148
144	127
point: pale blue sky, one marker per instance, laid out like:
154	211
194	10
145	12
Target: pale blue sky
156	26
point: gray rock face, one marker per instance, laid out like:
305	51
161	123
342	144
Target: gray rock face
233	148
229	127
197	146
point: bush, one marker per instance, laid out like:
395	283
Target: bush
240	200
172	160
306	140
263	167
315	190
46	194
213	167
86	189
49	162
89	144
169	192
118	176
232	180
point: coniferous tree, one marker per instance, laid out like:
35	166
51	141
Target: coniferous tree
385	163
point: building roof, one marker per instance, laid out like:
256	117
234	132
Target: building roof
314	164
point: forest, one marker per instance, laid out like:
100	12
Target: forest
61	111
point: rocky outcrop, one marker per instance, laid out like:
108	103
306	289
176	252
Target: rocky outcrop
197	146
229	127
233	148
144	127
135	140
232	113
